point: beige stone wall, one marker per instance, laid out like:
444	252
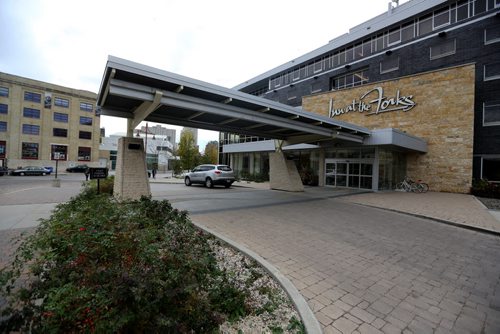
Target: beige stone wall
443	116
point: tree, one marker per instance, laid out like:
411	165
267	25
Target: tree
188	151
211	152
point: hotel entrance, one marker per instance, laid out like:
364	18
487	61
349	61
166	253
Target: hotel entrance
348	173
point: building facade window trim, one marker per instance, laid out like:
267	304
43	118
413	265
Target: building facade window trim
31	113
389	65
488	166
491	113
31	129
61	117
61	149
4	108
33	97
4	91
84	153
60	102
86	106
29	151
59	132
85	120
493	37
443	49
85	135
491	71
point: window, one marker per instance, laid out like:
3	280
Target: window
60	102
85	120
296	74
490	169
349	55
3	126
4	91
479	6
441	18
318	66
292	94
3	148
84	153
462	10
491	113
31	113
59	151
367	48
86	106
407	32
4	108
29	129
33	97
349	80
316	87
85	135
358	51
492	71
424	25
57	132
443	49
389	64
394	37
492	35
60	117
29	151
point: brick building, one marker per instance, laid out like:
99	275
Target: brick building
429	69
40	122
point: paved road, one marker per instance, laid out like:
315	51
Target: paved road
361	269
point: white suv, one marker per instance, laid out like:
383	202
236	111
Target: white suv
210	175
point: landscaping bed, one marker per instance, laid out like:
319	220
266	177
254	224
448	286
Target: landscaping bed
101	265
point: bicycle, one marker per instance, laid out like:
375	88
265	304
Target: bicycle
409	185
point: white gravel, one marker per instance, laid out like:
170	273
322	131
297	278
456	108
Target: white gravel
272	310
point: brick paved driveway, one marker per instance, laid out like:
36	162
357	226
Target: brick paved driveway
364	270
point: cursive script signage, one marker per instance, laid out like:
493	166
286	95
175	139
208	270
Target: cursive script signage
377	105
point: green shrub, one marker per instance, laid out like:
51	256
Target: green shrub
99	265
484	188
106	185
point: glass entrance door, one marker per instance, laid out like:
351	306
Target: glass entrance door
352	174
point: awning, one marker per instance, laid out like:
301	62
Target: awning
143	93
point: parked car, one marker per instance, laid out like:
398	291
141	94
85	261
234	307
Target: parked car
51	169
4	171
210	175
31	170
77	169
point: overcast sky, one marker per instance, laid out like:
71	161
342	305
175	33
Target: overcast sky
223	42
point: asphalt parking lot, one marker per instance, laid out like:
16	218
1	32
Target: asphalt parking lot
360	269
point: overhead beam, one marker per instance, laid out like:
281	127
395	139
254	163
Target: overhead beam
227	121
143	111
196	115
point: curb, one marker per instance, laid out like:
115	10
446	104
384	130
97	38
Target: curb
310	322
438	220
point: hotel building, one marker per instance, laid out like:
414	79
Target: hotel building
424	76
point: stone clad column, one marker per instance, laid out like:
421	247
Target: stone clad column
283	174
131	178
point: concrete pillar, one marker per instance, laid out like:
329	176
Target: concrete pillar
283	174
321	172
131	178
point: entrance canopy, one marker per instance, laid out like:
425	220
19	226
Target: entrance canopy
142	93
